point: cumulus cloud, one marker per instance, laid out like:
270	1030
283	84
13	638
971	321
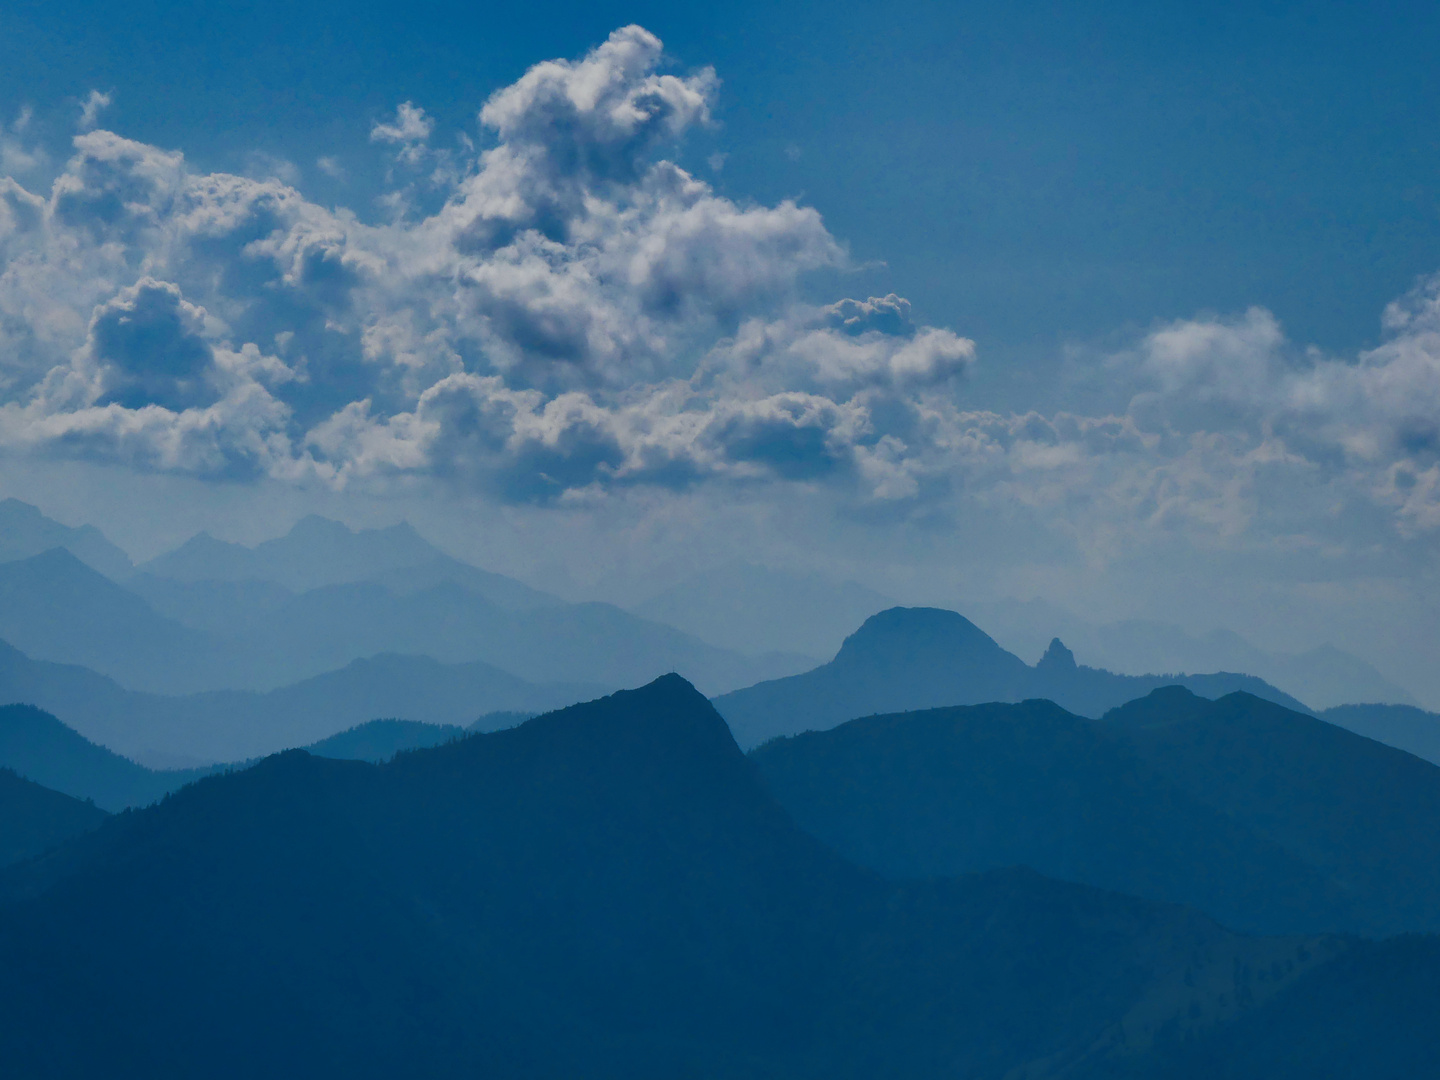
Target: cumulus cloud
579	314
576	315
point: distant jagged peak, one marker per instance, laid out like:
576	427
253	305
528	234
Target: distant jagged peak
1057	658
25	531
317	526
13	510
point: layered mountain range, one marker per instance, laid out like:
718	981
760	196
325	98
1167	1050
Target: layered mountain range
320	597
1271	820
921	658
936	860
611	890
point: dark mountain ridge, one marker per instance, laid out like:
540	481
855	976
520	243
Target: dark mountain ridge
34	819
1270	820
922	658
37	746
1404	727
607	891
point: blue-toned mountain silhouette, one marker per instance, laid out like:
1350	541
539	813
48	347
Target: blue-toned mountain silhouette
1269	820
606	891
34	744
37	746
924	658
1403	726
34	819
25	532
233	725
247	635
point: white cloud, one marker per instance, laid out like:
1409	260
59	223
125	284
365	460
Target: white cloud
581	316
409	132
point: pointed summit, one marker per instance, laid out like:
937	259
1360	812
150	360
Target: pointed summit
25	531
1057	658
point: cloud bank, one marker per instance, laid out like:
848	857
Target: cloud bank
579	315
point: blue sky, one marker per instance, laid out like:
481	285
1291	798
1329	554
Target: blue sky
1128	306
1033	172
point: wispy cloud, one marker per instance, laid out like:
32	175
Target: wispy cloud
92	107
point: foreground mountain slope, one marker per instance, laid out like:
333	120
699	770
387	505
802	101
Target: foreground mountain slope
34	819
952	791
1269	820
925	658
1371	1013
605	891
1361	811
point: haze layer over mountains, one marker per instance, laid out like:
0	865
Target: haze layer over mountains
936	858
217	652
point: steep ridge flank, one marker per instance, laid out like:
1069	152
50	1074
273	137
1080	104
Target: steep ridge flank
381	740
1362	812
26	532
605	891
1267	819
55	607
953	791
34	819
925	658
1402	726
39	747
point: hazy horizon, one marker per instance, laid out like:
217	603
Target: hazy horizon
586	317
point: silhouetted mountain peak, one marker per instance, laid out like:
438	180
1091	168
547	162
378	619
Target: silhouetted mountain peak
905	636
665	715
59	567
1162	707
25	531
1057	658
